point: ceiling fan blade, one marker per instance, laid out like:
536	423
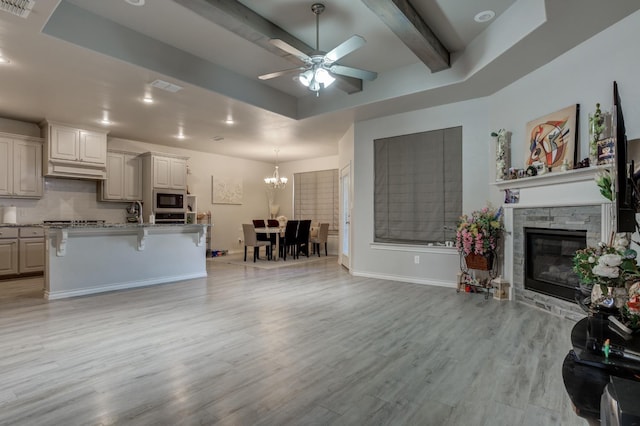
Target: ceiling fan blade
283	45
280	73
353	72
342	50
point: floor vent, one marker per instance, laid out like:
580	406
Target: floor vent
165	85
19	8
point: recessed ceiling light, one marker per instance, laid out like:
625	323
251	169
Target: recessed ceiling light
135	2
4	60
229	121
147	100
484	16
105	121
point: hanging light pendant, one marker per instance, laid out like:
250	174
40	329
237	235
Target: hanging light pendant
276	181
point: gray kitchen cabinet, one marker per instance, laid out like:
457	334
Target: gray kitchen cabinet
31	250
21	250
164	171
9	251
75	153
124	177
20	166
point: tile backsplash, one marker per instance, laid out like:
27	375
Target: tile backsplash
67	199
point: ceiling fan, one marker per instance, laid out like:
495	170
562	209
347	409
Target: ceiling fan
319	69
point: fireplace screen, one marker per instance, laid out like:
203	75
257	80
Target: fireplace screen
549	261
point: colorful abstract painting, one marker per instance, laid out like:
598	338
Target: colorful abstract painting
552	139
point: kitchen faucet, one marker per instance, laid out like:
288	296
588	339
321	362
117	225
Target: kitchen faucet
139	211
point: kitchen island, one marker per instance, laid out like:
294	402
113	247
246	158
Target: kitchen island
87	259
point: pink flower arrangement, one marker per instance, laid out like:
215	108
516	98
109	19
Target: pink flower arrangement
479	232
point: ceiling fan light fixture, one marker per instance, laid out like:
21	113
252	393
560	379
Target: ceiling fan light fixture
306	77
323	77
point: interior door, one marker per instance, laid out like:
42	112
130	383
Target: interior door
345	216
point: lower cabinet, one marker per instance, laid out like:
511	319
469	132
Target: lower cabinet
8	251
21	251
31	245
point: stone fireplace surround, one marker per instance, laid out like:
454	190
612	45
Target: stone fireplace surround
561	200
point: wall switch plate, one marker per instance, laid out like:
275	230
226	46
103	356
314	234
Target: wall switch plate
416	259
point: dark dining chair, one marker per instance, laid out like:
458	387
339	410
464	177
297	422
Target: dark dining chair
273	223
302	240
289	240
259	223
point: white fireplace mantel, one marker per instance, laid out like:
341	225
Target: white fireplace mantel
576	175
570	188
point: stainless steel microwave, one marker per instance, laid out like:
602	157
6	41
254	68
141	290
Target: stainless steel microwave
168	201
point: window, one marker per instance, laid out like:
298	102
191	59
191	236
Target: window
315	197
418	186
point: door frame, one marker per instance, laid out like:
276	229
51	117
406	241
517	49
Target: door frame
345	216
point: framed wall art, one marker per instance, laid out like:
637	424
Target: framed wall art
226	190
552	139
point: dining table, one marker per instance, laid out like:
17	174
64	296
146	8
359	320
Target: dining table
279	232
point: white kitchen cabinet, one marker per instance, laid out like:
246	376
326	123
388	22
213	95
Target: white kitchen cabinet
163	171
9	251
124	177
20	166
74	152
178	175
31	250
93	147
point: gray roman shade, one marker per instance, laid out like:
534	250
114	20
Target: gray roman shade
315	197
418	186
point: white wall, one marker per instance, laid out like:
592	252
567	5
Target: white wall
584	75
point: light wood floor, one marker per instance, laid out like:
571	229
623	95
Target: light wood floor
293	346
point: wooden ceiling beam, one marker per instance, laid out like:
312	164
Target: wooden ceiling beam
401	17
240	20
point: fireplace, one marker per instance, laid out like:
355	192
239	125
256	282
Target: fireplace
548	265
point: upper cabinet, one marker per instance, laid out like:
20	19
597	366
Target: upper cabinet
124	177
20	166
73	152
165	171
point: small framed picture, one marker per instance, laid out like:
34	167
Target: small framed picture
606	151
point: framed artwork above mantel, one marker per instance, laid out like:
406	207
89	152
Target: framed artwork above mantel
552	139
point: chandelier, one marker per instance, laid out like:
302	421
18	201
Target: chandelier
275	181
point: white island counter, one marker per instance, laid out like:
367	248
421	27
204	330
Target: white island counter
81	260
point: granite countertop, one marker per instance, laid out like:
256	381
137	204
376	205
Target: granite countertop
22	225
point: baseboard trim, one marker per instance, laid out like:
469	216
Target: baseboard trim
120	286
407	279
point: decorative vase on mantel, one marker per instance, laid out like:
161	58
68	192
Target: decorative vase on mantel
502	154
